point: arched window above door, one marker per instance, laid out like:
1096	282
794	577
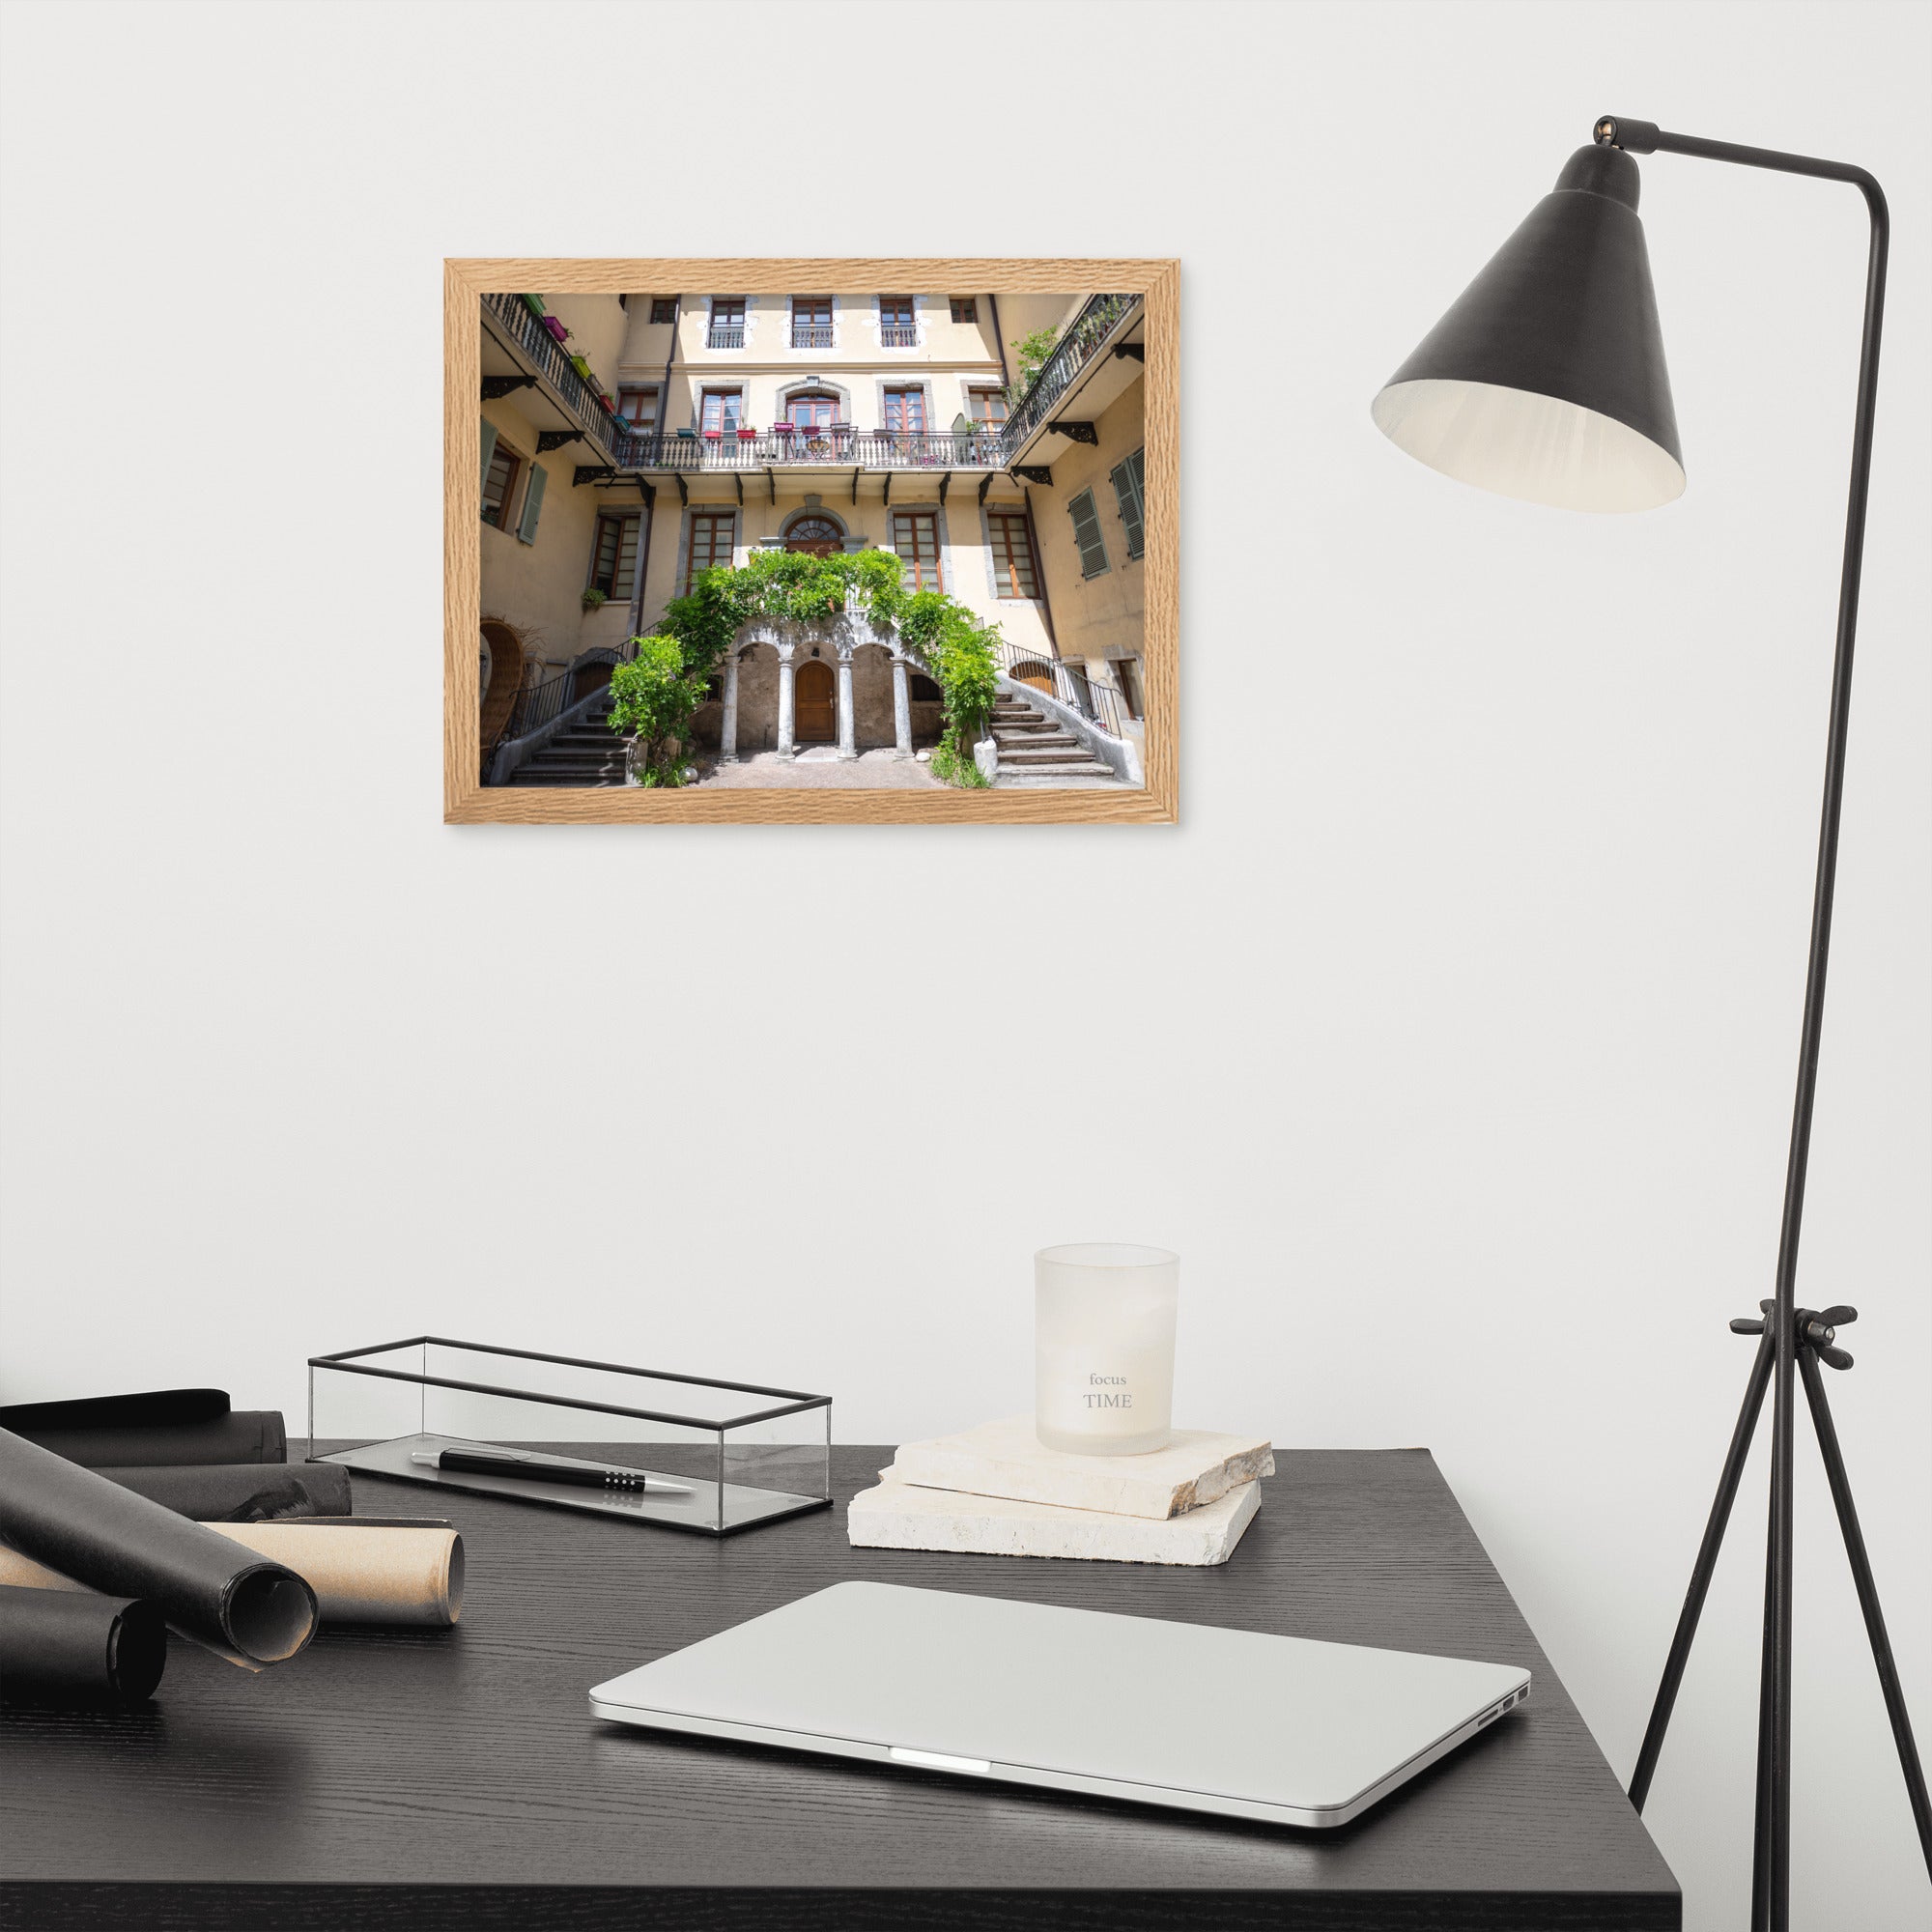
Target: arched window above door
819	535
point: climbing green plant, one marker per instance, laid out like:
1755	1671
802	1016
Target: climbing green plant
657	693
958	651
1032	353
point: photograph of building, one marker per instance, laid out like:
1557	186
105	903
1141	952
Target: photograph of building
994	442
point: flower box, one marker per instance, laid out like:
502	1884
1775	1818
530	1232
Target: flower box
534	303
555	328
582	365
746	433
714	436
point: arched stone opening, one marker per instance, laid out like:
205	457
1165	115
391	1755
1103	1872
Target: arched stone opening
501	664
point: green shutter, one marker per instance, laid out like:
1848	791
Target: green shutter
489	448
1128	493
1087	534
526	531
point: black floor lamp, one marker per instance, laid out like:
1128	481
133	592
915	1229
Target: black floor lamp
1547	382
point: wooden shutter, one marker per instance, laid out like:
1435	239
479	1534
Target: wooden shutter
1012	554
489	445
1087	534
1128	492
526	529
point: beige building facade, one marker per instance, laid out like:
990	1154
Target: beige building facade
630	441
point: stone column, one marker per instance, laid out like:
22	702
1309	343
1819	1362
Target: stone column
901	709
787	748
848	731
727	737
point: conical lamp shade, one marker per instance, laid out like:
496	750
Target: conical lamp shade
1546	380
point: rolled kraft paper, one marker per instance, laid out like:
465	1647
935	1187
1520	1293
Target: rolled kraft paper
242	1436
252	1611
365	1572
241	1491
360	1573
61	1647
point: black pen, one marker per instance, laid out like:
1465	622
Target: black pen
533	1468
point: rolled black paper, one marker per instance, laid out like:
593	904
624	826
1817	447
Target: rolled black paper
73	1647
208	1588
149	1408
241	1491
238	1435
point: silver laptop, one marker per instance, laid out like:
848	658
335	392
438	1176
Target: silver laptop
1278	1728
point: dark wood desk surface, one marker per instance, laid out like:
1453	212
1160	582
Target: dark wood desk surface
455	1779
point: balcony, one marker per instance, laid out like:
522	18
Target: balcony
725	335
1102	320
811	335
519	353
895	338
835	448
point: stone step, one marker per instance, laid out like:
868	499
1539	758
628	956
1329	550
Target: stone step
1067	768
1045	755
1004	735
523	775
581	767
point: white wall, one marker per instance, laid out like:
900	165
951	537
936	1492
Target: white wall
1464	1006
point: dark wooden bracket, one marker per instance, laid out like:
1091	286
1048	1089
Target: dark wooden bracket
1077	432
495	387
943	482
683	495
985	484
1134	352
593	473
556	438
1033	473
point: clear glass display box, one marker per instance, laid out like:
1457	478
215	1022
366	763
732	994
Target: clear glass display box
717	1457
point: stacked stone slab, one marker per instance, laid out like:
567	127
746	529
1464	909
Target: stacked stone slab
996	1490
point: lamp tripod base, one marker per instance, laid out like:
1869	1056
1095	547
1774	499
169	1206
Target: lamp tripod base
1815	1340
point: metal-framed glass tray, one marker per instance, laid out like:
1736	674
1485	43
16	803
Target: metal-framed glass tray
680	1452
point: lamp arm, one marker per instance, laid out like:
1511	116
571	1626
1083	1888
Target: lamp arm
1645	137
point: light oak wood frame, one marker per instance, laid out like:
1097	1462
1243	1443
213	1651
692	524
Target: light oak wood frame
468	802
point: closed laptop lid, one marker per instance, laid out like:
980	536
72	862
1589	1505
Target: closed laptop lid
1276	1720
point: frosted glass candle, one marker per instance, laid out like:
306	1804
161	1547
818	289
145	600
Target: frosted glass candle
1103	1348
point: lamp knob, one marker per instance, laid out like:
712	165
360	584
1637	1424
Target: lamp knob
1619	130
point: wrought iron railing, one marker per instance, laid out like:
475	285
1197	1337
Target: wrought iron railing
837	447
1071	354
725	336
542	701
811	335
541	348
1098	703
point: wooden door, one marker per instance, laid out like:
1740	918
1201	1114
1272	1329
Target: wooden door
1036	675
814	713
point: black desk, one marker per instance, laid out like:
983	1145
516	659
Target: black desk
454	1779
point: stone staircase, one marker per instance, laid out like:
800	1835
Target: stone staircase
1036	749
585	753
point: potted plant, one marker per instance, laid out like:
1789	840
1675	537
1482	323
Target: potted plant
714	436
555	328
594	599
747	434
782	429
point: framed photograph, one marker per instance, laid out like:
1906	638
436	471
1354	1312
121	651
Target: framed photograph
810	541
